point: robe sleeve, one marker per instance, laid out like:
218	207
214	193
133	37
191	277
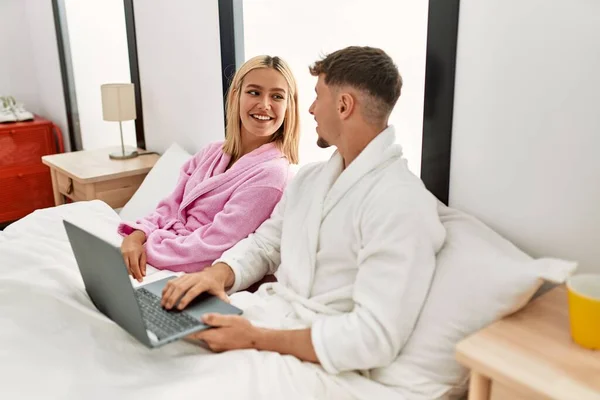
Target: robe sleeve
396	260
166	209
258	254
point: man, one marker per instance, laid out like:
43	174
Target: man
353	240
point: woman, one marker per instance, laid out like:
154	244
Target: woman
229	188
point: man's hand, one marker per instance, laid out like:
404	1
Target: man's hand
232	332
215	280
134	254
229	332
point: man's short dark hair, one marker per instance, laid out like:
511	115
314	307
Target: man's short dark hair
367	69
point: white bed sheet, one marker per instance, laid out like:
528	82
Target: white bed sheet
56	345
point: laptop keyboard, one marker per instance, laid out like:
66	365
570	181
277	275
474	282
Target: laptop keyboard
161	322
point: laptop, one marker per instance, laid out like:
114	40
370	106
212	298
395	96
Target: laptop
138	311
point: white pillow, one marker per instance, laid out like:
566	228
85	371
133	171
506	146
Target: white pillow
158	184
480	277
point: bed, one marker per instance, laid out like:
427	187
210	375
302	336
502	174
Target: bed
55	344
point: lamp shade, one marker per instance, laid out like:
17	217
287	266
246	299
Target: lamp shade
118	102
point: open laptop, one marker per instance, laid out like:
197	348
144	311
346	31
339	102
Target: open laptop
138	311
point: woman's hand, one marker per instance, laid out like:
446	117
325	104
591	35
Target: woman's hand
214	280
134	254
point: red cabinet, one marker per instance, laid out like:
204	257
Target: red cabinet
25	183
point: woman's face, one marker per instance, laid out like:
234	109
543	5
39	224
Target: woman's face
263	102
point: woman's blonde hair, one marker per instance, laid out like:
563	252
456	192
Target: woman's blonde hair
287	136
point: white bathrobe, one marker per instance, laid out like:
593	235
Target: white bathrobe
354	254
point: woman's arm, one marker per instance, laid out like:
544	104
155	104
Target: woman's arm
166	209
243	213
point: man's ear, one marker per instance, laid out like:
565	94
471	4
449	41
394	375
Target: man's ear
346	105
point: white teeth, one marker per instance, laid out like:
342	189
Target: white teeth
261	117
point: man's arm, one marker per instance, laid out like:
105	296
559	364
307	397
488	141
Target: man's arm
259	254
400	239
216	280
297	343
234	332
244	264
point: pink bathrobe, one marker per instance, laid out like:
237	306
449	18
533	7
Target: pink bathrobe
211	209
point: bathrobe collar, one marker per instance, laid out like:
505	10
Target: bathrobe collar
333	184
218	176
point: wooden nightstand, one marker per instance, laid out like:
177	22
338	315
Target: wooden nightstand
90	175
530	355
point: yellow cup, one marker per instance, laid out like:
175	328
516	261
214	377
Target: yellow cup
584	309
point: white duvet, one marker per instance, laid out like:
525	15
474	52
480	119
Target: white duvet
54	344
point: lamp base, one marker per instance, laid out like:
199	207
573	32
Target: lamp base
123	156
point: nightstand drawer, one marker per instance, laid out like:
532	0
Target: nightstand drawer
25	191
116	192
73	189
25	147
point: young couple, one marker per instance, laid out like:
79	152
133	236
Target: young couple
352	241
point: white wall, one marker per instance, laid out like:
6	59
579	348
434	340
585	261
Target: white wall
180	63
29	67
179	58
99	54
526	132
398	27
17	69
51	101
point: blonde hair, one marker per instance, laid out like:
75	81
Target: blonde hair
287	136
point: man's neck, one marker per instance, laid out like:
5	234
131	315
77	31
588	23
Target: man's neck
355	140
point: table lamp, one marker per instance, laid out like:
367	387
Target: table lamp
118	104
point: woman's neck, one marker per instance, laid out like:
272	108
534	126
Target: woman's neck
249	144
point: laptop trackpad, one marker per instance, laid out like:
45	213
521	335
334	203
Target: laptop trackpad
203	304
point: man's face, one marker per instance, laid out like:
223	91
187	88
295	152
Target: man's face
325	113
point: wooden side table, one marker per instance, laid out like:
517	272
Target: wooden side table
530	355
91	175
